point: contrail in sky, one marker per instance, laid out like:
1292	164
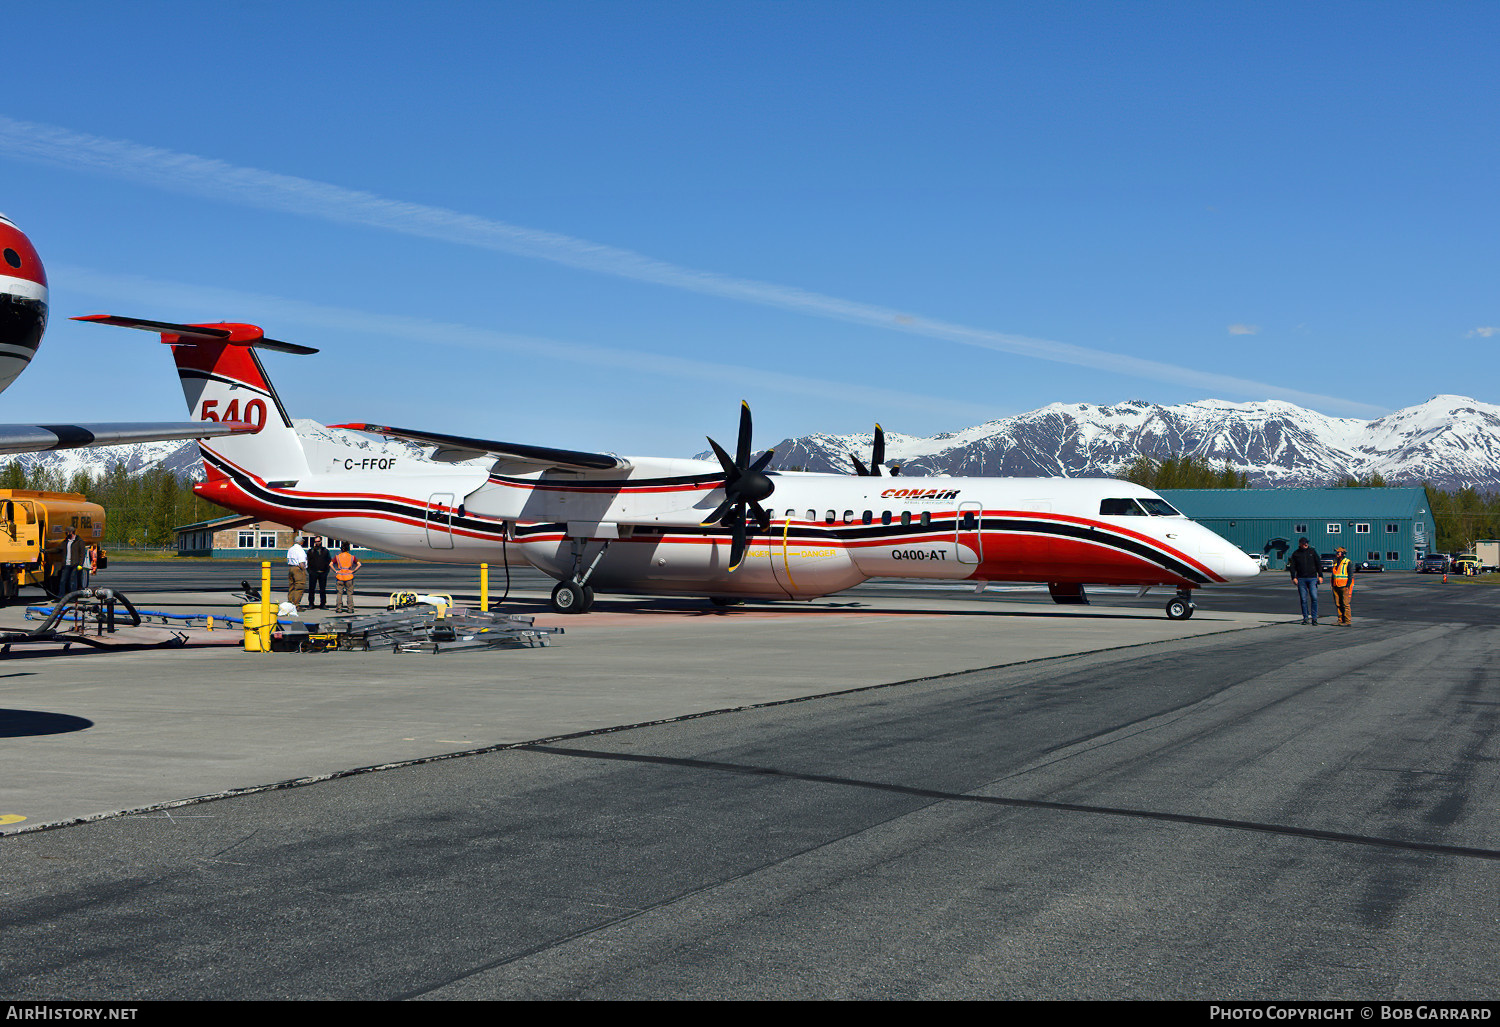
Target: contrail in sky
141	290
218	180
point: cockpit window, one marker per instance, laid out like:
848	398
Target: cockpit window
1157	507
1120	508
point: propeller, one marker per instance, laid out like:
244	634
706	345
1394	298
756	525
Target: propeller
745	485
877	457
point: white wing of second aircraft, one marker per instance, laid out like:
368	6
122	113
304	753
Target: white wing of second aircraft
453	448
38	438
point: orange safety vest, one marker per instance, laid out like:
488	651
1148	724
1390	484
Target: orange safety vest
1341	573
344	571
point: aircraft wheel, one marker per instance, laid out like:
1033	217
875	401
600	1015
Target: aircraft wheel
1179	608
568	597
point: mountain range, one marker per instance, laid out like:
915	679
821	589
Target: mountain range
1451	441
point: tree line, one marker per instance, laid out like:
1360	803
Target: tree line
140	509
1183	472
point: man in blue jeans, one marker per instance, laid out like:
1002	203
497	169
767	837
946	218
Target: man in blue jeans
1306	569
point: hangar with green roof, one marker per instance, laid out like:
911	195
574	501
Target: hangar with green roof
1390	525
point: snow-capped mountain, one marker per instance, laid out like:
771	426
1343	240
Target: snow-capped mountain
1451	441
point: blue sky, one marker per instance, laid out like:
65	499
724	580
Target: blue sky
601	225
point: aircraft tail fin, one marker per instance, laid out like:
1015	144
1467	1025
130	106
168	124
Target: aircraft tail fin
224	380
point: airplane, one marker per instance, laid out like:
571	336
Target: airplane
687	527
23	321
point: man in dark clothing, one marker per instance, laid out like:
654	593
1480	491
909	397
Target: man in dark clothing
1306	569
318	561
75	564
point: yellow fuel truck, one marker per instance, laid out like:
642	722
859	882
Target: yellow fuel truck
32	527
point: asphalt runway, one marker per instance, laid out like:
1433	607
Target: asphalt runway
1274	812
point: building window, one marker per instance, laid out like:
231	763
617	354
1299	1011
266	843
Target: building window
268	540
1334	529
1372	556
1393	557
1299	529
1361	529
1392	529
247	540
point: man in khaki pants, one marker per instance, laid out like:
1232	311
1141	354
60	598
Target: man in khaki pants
1343	584
344	566
296	573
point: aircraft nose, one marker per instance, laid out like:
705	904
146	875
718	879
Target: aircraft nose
1238	566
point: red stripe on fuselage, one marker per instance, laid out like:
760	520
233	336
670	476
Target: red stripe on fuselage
13	239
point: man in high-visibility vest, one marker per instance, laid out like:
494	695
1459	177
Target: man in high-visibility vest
1343	584
344	566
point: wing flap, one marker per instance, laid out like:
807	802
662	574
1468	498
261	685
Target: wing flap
457	447
38	438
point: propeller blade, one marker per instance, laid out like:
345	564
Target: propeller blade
743	452
731	472
765	458
737	545
859	468
762	518
718	514
878	456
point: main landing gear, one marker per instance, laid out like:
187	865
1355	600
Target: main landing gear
574	594
1180	606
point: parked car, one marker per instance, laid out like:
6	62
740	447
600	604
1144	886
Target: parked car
1369	567
1464	565
1261	559
1433	563
1327	564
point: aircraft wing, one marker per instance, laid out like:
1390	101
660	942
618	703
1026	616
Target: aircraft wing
38	438
452	448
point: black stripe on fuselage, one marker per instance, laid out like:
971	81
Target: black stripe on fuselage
945	524
353	506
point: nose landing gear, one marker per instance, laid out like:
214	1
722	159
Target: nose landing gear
1180	606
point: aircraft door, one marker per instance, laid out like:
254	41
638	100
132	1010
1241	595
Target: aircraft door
778	543
969	539
440	520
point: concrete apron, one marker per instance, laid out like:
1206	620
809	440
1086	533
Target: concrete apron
94	734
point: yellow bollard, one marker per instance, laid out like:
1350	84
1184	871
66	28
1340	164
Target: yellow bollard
484	587
266	617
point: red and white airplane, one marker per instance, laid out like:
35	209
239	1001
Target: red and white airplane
23	320
727	529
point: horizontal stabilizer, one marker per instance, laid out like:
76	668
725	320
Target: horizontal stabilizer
37	438
457	447
241	334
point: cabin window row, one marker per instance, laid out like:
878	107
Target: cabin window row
868	517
